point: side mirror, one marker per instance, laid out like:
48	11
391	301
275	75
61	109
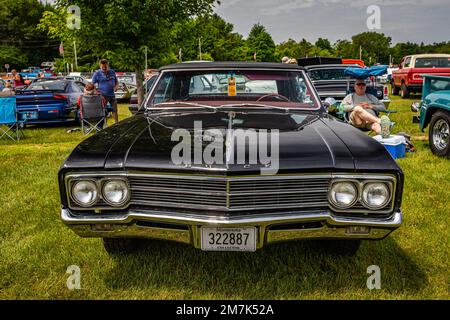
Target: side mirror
415	107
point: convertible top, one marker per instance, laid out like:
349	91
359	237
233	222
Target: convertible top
231	65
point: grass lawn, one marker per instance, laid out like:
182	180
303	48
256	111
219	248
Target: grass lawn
36	248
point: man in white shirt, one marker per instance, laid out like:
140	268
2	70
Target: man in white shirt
363	107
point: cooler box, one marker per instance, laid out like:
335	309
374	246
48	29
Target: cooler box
394	144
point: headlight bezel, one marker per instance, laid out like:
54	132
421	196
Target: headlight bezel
389	188
85	205
361	180
354	183
70	179
105	181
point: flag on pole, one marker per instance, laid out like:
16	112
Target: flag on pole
61	49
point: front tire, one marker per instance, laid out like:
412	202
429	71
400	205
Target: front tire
438	134
394	90
405	92
120	245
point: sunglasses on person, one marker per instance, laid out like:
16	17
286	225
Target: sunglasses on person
361	84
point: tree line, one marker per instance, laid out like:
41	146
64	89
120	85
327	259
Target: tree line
166	32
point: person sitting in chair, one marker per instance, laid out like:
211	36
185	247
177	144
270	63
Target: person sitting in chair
89	91
363	108
92	100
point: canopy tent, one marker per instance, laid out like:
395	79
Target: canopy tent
364	73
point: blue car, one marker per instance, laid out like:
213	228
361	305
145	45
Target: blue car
49	101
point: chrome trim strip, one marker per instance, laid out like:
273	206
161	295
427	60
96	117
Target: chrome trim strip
259	219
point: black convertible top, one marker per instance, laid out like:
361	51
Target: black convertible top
227	65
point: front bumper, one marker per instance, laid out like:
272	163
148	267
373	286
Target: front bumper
186	228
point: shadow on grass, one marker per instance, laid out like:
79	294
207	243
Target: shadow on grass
286	271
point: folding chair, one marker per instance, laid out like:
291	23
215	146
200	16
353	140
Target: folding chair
92	113
8	118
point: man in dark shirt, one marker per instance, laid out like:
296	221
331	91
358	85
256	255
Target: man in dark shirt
108	83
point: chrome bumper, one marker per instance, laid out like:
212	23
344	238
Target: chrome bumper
186	228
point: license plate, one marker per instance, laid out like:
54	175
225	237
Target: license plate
228	239
29	115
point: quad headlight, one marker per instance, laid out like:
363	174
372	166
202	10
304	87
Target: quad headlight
115	192
375	195
370	193
343	194
85	193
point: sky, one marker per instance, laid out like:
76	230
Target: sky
417	21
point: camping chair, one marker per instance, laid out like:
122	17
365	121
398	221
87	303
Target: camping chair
92	113
362	74
8	118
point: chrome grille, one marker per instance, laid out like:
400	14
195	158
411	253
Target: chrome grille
229	194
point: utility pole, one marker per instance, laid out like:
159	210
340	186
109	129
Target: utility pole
360	52
75	54
200	47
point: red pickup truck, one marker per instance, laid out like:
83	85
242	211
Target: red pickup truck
408	78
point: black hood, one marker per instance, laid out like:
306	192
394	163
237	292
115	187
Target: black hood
307	143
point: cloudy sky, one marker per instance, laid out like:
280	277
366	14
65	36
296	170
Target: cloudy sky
403	20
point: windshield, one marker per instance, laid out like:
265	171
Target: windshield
286	89
432	63
327	74
47	85
439	85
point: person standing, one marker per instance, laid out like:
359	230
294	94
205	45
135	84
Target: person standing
17	78
107	83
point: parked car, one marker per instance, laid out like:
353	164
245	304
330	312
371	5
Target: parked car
148	85
78	79
434	111
330	82
328	179
387	78
127	86
47	101
353	62
32	72
409	78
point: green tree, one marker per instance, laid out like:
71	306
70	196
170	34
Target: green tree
259	41
12	56
324	44
375	46
305	47
345	49
216	37
20	41
289	49
123	30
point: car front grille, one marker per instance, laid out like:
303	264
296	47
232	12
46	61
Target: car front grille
229	194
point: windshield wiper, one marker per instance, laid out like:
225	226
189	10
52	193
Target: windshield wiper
176	103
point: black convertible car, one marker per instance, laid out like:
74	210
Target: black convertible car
231	169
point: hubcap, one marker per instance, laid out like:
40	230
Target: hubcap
441	133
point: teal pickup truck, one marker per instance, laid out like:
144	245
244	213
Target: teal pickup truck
434	110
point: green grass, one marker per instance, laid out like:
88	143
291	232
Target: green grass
36	248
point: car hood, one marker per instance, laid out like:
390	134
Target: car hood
312	143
